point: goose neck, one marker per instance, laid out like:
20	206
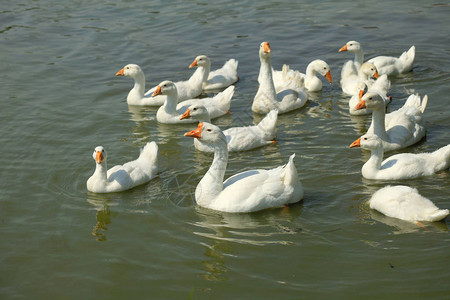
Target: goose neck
200	75
310	71
170	105
101	171
139	84
378	123
359	57
212	183
373	165
265	78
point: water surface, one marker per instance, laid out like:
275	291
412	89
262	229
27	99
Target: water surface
60	99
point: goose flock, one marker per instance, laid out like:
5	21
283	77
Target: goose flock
282	91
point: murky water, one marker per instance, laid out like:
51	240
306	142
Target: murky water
60	99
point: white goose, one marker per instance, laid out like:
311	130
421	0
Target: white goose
267	98
388	65
405	203
400	166
186	89
380	86
123	177
354	47
311	82
220	78
238	138
400	128
170	112
350	77
248	191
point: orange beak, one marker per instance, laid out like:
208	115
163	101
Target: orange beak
356	143
360	94
120	73
99	157
361	105
186	115
376	74
267	47
196	133
328	76
157	91
194	64
343	48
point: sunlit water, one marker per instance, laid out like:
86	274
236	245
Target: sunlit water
60	99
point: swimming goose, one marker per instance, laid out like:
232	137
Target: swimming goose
400	166
170	112
247	191
400	128
238	138
311	82
267	98
123	177
220	78
186	89
354	47
405	203
350	77
388	65
380	86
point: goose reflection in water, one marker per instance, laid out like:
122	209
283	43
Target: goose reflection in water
101	203
222	231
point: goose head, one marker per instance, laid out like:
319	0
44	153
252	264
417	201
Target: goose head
361	87
166	88
196	111
264	50
208	133
201	61
351	46
322	68
369	69
371	100
99	155
130	70
368	142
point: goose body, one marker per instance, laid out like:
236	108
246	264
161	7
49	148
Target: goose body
388	65
186	89
170	112
405	203
312	83
267	98
248	191
238	138
351	77
380	86
400	128
220	78
287	78
123	177
400	166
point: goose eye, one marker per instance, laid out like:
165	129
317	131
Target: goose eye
370	98
365	139
103	150
351	44
195	108
209	130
